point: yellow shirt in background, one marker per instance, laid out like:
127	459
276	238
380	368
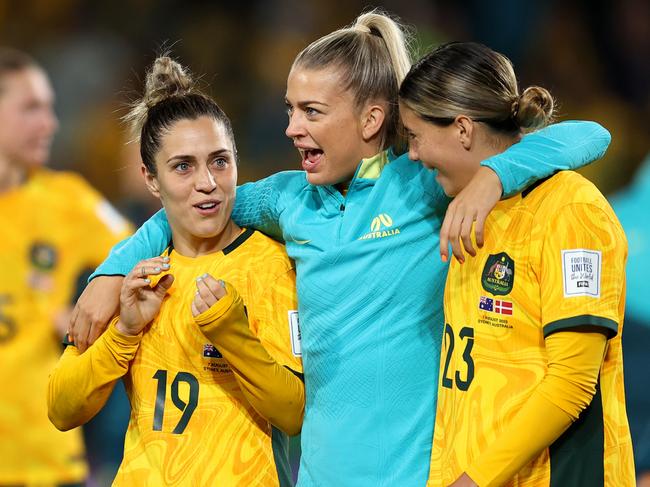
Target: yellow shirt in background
53	228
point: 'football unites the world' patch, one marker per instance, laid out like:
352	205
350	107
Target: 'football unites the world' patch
581	272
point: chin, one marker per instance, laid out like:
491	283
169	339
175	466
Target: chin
317	179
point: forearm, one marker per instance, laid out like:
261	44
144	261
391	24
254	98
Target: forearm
272	389
568	387
566	145
150	240
80	384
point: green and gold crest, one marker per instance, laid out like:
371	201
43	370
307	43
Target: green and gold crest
498	274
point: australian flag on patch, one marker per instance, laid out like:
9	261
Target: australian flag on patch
210	350
486	303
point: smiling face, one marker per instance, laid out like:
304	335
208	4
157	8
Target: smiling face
449	149
28	119
330	132
196	180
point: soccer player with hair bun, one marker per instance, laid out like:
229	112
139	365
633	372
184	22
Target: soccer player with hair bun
207	337
531	370
361	222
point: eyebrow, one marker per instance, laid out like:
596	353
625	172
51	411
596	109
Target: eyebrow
218	152
304	103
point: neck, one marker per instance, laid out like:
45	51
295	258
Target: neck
193	246
368	150
11	175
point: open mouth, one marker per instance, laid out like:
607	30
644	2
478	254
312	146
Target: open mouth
208	207
311	158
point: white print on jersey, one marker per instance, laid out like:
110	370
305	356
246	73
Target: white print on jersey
294	330
111	218
581	272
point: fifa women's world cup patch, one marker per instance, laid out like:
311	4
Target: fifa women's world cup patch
498	274
581	272
294	331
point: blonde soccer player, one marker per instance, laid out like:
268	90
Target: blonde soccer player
531	372
207	336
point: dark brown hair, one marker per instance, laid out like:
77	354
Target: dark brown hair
170	95
12	61
471	79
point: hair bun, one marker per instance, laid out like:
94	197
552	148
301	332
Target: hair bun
534	108
167	78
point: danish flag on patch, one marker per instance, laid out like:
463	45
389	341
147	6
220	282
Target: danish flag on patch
502	307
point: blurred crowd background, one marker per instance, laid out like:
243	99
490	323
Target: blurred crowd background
593	55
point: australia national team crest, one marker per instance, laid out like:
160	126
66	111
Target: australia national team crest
43	256
44	259
498	274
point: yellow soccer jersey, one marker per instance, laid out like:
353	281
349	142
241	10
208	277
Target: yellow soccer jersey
53	227
190	423
554	259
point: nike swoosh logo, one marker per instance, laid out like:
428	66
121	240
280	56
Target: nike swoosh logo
301	242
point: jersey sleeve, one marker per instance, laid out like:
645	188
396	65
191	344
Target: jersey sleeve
566	145
565	391
275	321
151	239
100	225
275	392
259	205
582	269
80	384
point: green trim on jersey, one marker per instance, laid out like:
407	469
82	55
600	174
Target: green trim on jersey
583	320
280	442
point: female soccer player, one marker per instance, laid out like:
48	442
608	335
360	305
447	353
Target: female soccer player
361	223
193	350
53	227
531	384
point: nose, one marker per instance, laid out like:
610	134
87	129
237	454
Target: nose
295	127
48	120
205	180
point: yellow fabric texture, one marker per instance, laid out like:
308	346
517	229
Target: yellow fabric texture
500	306
272	389
53	227
574	361
191	423
81	384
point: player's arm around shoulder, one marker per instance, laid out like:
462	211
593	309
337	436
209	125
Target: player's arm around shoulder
81	383
274	390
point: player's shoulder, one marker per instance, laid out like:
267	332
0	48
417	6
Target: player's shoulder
548	197
65	181
264	253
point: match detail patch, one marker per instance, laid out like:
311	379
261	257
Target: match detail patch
294	331
581	272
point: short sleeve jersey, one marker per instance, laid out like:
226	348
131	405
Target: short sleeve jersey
554	260
190	422
53	228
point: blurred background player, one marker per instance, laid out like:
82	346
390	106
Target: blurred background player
200	415
53	228
531	385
